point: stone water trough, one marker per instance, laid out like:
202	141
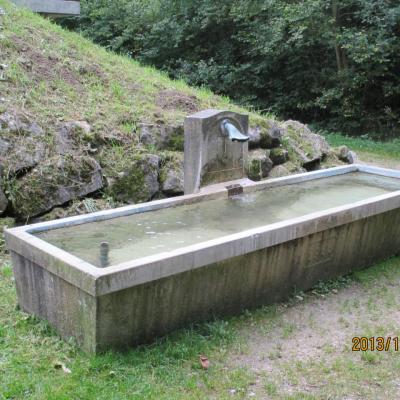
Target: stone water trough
121	277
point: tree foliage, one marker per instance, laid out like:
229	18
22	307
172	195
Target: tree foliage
332	62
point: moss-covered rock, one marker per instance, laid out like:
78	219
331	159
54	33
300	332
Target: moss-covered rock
305	147
22	143
271	137
254	134
345	154
73	136
137	181
171	174
331	160
285	169
54	182
161	136
279	155
259	165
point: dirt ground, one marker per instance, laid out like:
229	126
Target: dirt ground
305	352
309	346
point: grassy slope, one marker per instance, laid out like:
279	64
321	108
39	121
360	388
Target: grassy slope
72	79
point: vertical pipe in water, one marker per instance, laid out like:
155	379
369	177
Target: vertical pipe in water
104	250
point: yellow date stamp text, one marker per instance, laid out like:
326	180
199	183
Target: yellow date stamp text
379	343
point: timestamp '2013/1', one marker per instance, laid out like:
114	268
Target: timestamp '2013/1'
362	343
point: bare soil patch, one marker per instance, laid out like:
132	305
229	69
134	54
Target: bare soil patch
307	331
42	67
317	334
172	99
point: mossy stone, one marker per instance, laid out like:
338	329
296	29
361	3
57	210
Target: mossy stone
258	166
138	182
53	183
271	138
279	155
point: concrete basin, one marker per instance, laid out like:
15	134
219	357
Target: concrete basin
278	235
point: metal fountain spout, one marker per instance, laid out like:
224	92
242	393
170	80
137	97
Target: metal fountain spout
216	148
229	130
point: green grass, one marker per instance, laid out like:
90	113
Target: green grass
55	75
367	147
170	369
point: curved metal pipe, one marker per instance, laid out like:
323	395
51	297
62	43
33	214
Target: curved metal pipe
229	129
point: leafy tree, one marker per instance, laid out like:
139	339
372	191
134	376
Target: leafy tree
331	62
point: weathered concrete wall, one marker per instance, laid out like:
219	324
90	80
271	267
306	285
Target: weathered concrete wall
51	7
209	156
138	314
69	309
263	277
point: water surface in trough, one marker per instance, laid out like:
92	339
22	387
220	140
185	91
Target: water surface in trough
159	231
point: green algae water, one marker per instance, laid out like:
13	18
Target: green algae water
140	235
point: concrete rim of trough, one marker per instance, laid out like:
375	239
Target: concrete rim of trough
101	281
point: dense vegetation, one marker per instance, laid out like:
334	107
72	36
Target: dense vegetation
334	63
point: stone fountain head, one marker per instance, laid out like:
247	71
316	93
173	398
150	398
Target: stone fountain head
215	148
